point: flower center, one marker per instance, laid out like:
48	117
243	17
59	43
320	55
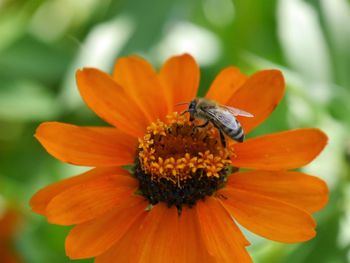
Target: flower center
180	163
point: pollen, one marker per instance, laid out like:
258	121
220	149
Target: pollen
179	163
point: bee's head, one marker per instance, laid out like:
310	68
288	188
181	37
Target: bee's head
192	108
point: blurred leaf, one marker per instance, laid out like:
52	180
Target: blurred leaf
23	100
339	106
149	24
253	29
44	243
30	58
14	19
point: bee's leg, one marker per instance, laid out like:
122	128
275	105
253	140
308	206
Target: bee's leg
195	128
222	138
184	112
203	125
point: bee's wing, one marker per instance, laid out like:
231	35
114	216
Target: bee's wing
237	112
223	116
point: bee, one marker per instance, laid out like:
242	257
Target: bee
221	116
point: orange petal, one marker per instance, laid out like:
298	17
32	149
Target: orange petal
221	235
110	101
268	217
180	76
279	151
142	84
227	82
94	237
305	191
259	95
87	146
121	251
160	237
90	199
42	198
190	246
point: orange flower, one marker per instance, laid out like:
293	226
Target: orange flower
179	201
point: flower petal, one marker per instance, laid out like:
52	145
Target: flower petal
111	102
90	199
190	244
87	146
159	237
268	217
279	151
94	237
227	82
159	234
141	83
180	76
221	235
120	251
305	191
42	198
259	95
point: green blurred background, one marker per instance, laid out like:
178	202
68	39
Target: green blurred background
42	43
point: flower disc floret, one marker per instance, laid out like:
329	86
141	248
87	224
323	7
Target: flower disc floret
175	154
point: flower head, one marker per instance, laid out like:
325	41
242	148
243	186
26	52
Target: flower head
185	186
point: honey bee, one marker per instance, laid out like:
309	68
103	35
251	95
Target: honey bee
221	116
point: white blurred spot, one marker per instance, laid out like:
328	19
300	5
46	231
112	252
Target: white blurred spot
344	233
337	15
55	17
329	164
104	42
186	37
219	12
301	113
99	50
304	45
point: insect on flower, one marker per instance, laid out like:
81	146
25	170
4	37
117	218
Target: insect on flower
221	116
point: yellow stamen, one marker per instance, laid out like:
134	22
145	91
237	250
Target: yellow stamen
176	150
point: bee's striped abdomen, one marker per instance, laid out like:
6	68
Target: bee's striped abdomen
236	134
